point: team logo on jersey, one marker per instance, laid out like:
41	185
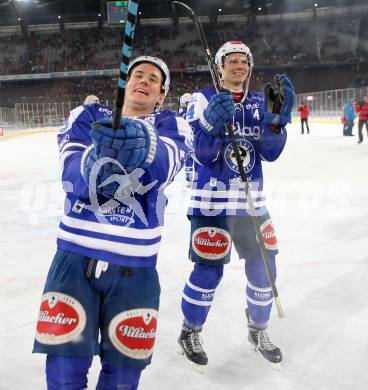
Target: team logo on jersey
269	235
211	243
61	319
247	155
133	332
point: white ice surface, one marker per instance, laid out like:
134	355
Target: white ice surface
318	199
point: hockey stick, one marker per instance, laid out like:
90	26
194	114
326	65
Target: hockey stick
126	53
217	84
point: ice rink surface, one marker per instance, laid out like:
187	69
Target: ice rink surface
318	199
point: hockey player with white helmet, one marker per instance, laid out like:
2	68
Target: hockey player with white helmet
91	99
183	106
102	291
219	211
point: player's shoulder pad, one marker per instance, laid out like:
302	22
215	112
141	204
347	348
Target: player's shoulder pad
168	121
99	111
207	92
165	118
85	114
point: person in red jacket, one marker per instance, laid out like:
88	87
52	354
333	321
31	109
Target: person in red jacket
304	112
361	107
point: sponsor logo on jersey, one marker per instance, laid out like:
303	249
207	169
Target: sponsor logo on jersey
247	154
106	111
254	105
269	235
61	319
255	97
133	332
211	243
247	131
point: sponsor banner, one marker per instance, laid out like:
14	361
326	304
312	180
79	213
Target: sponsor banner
203	68
60	75
211	243
133	332
61	319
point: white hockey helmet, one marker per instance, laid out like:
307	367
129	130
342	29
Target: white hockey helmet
184	100
158	63
91	99
233	47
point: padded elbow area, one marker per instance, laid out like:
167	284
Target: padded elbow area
67	372
272	144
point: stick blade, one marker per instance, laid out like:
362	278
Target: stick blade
176	5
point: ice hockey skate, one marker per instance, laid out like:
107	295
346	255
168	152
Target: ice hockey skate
191	348
262	344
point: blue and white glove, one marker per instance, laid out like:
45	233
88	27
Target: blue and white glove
133	145
279	103
220	109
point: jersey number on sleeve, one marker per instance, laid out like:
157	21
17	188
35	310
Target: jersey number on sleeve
190	112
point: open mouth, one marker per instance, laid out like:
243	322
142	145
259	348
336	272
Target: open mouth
142	91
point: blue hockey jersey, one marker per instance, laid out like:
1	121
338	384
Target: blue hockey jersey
127	232
182	112
218	190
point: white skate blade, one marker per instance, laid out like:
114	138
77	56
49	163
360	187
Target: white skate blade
196	367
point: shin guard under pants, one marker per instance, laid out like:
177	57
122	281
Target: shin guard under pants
199	292
259	293
67	372
114	377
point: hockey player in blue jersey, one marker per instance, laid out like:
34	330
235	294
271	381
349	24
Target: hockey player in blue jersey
102	291
183	106
219	212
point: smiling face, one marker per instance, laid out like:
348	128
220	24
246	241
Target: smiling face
143	90
235	71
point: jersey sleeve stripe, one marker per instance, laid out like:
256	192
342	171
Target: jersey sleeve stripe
74	145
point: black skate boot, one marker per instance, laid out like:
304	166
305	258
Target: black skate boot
191	346
260	339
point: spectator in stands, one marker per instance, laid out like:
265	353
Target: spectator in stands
361	107
348	117
304	113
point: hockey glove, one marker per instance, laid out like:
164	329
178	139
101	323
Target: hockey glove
219	110
279	102
133	145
